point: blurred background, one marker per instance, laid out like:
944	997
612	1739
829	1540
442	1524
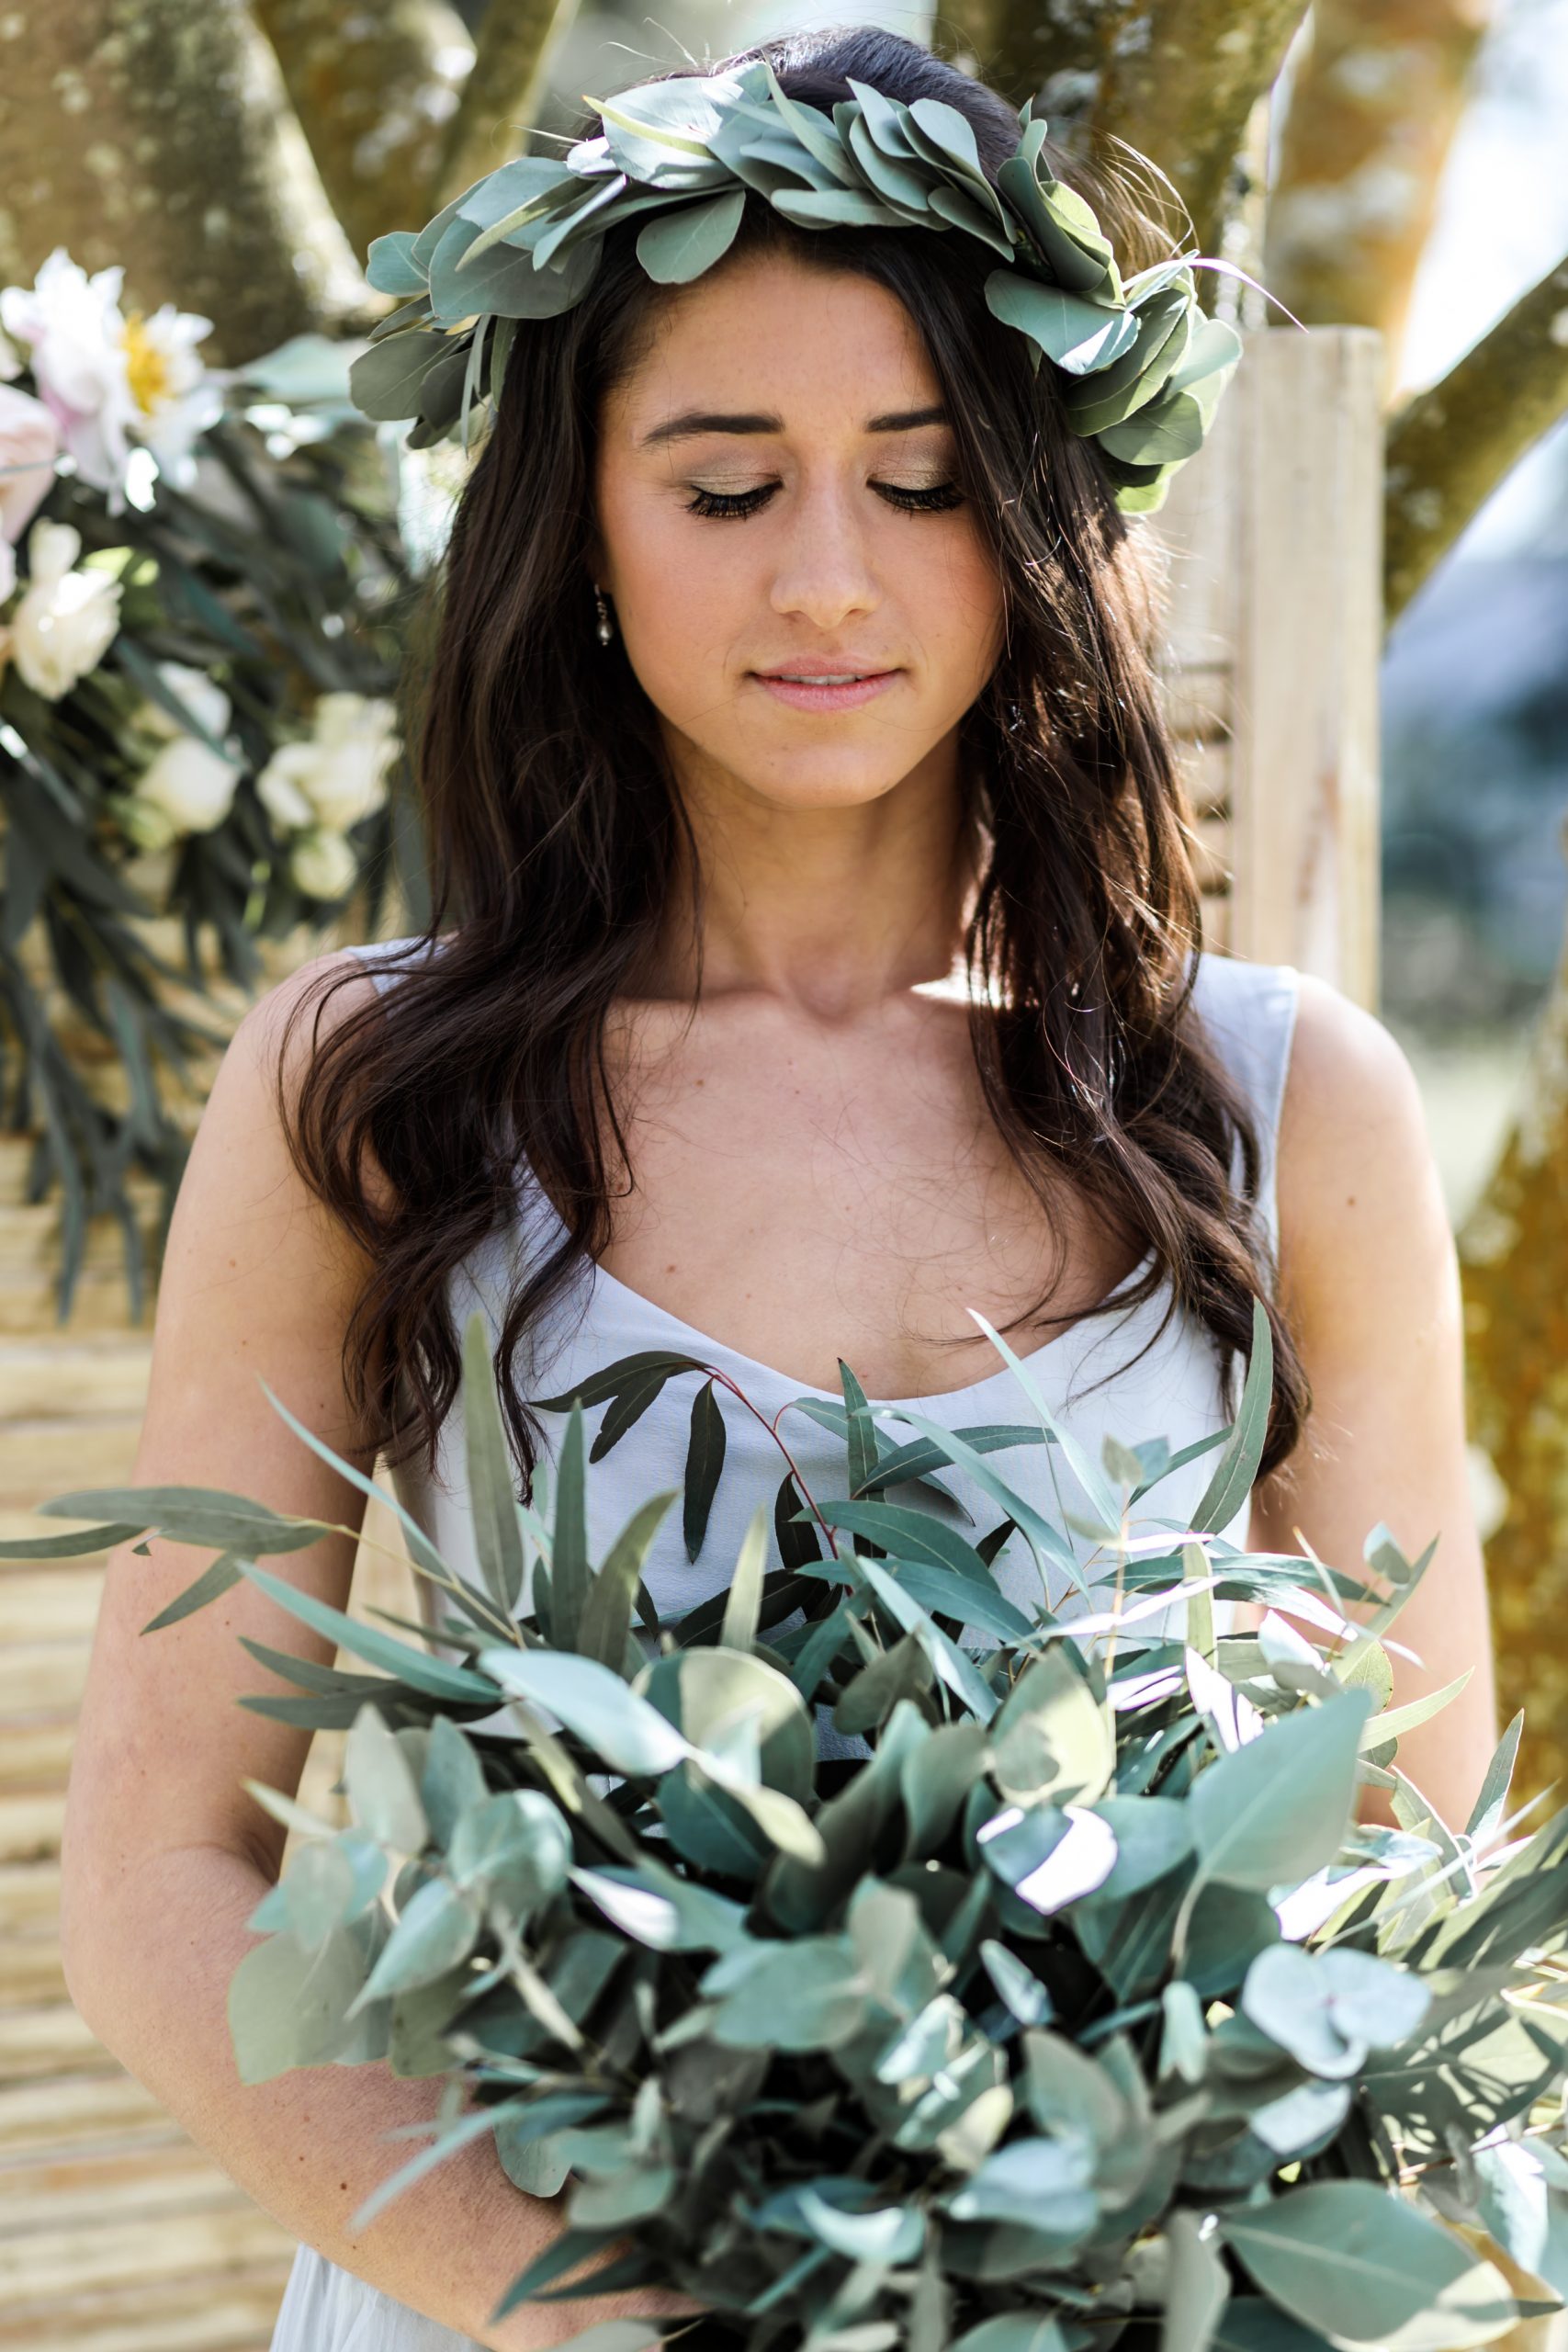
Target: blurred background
211	566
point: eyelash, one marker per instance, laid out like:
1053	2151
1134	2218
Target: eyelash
719	503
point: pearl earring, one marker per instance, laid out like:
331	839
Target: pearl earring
606	629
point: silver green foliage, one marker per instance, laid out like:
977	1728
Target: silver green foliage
1140	367
1082	2004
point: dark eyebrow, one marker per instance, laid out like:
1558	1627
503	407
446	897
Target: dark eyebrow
693	421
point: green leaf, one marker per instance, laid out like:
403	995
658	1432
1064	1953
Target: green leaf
433	1676
607	1613
1237	1466
435	1931
961	1676
286	2005
1487	1815
1197	2287
860	1433
71	1547
627	1408
453	1779
798	1547
1396	1721
805	1994
1359	2263
1276	1810
387	379
1078	336
616	1376
674	247
382	1789
512	1848
204	1515
705	1463
498	1540
223	1573
1043	1539
1104	1503
594	1704
743	1603
569	1548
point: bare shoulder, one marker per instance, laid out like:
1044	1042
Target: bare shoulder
1364	1228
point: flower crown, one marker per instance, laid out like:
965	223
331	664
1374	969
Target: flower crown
1142	368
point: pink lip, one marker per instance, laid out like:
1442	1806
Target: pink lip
845	698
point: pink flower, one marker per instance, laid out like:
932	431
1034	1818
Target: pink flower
30	443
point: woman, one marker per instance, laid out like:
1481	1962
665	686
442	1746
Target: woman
824	970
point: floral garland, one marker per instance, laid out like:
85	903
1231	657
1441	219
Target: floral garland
198	575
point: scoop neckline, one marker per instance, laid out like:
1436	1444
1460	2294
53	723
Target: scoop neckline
1051	1348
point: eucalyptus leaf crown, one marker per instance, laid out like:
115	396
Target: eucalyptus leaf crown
1141	368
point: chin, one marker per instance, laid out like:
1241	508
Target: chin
818	789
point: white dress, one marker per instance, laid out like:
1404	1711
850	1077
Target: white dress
1173	1392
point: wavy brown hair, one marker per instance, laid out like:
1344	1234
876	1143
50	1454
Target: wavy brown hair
554	832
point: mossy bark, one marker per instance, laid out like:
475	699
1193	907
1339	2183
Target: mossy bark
1514	1264
1451	444
377	91
1376	96
157	133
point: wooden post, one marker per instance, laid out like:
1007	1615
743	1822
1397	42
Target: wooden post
1274	537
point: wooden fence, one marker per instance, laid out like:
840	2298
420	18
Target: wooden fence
117	2233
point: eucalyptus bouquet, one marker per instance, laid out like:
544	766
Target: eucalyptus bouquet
1080	2009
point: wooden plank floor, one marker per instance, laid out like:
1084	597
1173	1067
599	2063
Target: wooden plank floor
117	2233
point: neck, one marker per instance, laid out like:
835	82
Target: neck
832	909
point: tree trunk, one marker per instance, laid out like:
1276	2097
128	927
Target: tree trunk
375	90
1181	86
157	133
1514	1262
1450	444
504	91
1375	104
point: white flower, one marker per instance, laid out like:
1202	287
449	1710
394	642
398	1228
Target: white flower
67	620
338	774
279	792
7	576
146	827
30	443
323	864
190	785
108	379
204	699
176	396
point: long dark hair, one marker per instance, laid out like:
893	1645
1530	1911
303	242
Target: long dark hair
554	834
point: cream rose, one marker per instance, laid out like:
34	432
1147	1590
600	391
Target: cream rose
190	785
204	698
322	863
67	620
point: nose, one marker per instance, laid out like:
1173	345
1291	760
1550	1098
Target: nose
824	569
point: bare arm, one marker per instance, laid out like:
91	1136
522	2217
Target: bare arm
1370	1281
164	1856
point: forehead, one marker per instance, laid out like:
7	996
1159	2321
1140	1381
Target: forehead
770	334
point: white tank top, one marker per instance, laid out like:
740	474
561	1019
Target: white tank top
1174	1392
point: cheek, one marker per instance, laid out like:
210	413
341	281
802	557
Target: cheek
960	610
681	596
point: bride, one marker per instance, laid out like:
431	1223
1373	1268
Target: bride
815	958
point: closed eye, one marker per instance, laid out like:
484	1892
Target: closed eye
940	499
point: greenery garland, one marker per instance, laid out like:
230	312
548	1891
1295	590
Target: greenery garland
1083	2012
1141	367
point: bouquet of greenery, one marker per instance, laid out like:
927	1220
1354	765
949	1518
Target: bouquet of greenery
1080	2009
